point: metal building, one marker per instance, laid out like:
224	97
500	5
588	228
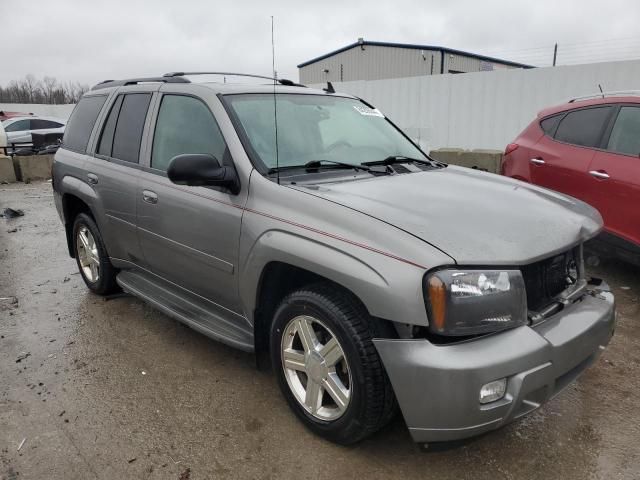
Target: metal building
367	60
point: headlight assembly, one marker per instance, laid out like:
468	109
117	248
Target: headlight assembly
472	302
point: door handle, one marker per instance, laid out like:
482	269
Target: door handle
537	161
149	196
92	178
599	174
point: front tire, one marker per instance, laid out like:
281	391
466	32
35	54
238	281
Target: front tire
92	258
327	366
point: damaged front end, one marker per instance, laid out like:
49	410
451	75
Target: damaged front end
470	384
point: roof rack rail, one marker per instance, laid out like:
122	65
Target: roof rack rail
619	93
281	81
135	81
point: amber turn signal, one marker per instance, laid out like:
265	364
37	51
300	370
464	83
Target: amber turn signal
438	300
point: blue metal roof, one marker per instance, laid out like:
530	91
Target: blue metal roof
415	47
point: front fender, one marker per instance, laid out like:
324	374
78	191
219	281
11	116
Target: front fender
388	288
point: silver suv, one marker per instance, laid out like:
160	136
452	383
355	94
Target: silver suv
367	274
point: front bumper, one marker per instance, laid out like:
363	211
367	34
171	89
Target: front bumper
437	386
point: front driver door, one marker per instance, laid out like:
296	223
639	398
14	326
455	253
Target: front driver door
615	177
19	131
190	235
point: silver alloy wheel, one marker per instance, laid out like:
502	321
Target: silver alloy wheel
316	368
87	252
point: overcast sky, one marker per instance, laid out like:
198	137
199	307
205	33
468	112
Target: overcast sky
91	41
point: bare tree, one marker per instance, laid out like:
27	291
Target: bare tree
33	90
50	85
32	87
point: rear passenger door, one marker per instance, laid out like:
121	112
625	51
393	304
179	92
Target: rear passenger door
561	158
113	172
615	176
190	235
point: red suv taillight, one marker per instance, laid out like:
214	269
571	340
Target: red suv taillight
512	147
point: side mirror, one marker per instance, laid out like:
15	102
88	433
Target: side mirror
200	169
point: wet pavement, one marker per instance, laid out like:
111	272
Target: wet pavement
114	389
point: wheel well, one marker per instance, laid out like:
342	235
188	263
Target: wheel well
276	282
71	207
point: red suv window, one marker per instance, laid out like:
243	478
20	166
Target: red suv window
583	127
550	124
625	135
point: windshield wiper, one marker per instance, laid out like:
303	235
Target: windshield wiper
394	159
313	164
316	164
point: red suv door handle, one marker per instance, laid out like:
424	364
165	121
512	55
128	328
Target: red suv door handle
537	161
602	175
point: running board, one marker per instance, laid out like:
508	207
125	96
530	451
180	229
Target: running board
190	309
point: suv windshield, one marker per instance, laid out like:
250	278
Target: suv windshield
315	127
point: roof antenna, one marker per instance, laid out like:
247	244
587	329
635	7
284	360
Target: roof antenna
275	103
601	92
329	88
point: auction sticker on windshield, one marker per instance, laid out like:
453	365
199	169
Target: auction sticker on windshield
369	112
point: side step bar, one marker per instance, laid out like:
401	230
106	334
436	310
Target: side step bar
193	311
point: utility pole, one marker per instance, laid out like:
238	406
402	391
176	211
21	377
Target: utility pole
555	54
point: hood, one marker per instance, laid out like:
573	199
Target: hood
474	217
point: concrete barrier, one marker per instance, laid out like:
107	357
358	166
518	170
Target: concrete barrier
32	167
488	160
447	155
7	172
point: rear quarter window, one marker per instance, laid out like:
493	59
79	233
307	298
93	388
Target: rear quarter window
583	127
81	123
550	124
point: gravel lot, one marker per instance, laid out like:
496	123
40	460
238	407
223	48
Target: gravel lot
114	389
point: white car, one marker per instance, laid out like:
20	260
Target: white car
19	129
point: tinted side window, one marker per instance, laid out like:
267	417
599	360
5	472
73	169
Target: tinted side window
81	122
128	132
38	124
185	125
549	124
18	126
583	127
106	139
625	136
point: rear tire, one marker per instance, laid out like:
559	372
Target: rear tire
355	396
92	257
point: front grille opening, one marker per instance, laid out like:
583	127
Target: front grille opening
545	279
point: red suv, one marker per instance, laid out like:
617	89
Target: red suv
588	148
4	115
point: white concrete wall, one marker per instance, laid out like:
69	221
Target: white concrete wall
59	111
485	109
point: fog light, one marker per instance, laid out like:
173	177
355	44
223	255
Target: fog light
492	391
